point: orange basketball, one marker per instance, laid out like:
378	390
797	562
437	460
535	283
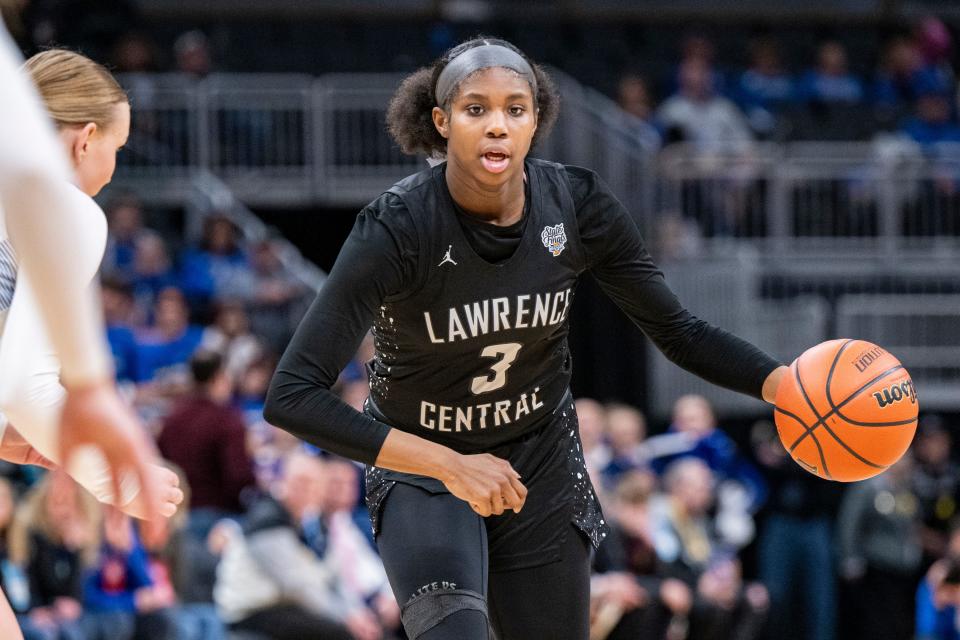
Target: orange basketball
846	410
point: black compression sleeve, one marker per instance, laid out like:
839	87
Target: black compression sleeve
618	259
370	266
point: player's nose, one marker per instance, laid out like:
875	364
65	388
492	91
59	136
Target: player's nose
496	124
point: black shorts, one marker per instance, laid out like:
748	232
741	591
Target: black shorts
550	463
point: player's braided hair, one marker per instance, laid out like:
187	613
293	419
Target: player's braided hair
409	118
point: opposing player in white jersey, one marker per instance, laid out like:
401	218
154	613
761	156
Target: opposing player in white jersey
92	117
48	225
93	120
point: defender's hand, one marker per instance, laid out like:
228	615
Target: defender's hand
95	415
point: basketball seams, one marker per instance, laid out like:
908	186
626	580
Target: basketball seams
833	367
864	387
877	425
809	430
796	418
835	408
892	423
850	450
821	422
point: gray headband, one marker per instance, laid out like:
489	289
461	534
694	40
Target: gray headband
477	58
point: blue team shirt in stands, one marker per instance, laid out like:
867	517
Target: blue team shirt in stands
927	133
815	86
151	356
123	347
759	90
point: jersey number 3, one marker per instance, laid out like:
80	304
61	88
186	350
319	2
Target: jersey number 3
505	354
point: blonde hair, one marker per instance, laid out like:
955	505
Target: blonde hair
32	518
635	488
75	89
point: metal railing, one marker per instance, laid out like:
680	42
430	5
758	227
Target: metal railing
288	140
291	140
784	305
884	197
211	196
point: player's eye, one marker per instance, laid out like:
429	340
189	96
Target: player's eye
475	110
516	110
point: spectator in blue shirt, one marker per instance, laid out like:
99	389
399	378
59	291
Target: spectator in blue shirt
218	267
117	298
151	271
831	80
171	340
121	583
896	81
694	434
125	223
121	571
626	429
937	598
765	87
932	122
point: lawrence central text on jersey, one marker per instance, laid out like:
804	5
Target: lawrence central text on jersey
477	355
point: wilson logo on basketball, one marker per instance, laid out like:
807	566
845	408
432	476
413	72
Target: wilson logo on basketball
866	359
896	393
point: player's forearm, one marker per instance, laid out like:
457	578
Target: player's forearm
405	452
44	232
315	414
715	355
311	411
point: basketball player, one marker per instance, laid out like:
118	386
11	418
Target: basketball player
92	116
45	220
482	507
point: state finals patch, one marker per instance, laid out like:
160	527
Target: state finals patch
554	239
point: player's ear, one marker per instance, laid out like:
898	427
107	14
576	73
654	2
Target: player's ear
81	143
441	121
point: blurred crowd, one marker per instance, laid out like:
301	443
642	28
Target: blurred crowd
703	86
912	90
706	115
716	541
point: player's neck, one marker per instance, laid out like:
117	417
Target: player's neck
502	205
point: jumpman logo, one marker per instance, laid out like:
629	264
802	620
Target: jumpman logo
447	258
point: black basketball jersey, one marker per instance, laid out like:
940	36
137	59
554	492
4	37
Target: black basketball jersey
477	354
472	354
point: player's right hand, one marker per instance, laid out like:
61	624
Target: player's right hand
95	415
167	485
487	483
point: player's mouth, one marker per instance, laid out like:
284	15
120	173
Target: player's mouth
495	161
